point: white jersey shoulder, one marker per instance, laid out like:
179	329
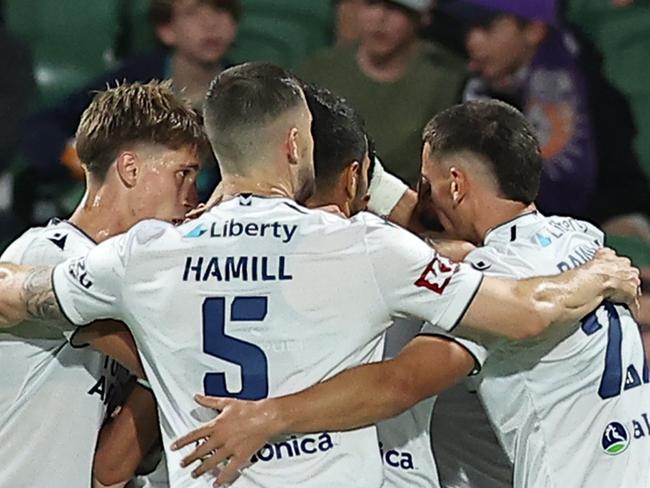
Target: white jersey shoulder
252	300
47	385
544	397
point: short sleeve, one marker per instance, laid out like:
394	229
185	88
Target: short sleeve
417	282
88	288
478	352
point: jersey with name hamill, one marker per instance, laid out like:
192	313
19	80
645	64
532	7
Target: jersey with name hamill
53	396
572	407
262	297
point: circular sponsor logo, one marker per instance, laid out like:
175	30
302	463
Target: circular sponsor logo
615	438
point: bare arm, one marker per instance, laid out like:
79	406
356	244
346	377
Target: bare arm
354	398
115	340
26	293
526	308
126	439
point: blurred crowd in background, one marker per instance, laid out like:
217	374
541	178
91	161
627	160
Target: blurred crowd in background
578	69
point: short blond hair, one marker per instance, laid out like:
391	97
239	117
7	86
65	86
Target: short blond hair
132	113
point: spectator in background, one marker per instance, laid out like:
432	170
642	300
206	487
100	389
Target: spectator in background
346	28
394	80
197	35
16	92
522	54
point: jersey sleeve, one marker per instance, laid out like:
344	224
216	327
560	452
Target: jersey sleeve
477	351
415	281
91	287
88	288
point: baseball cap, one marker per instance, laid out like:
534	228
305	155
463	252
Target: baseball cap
483	11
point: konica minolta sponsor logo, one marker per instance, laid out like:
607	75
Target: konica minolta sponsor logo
294	447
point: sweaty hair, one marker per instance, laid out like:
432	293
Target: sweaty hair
338	137
243	100
499	135
162	11
133	113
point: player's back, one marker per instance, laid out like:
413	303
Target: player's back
259	297
571	408
53	397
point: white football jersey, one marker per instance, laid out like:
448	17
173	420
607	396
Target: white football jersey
405	440
467	452
53	396
262	297
572	407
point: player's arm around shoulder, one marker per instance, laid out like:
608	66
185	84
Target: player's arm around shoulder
357	397
526	308
126	439
26	293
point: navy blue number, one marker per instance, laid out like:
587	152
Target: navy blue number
612	379
251	359
610	383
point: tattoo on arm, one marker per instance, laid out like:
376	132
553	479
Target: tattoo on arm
38	295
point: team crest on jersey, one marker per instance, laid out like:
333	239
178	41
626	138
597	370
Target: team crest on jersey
437	275
615	439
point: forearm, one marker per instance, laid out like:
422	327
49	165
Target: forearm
367	394
127	438
568	297
113	339
402	213
26	293
355	398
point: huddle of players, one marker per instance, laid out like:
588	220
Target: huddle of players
156	165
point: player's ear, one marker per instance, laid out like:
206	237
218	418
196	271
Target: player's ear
126	165
351	179
457	185
293	146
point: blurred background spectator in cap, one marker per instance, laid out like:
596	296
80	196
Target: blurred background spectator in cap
392	78
522	53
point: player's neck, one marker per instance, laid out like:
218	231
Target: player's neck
497	212
257	184
100	214
323	199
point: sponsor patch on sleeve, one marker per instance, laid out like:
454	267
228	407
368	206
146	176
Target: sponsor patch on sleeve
437	275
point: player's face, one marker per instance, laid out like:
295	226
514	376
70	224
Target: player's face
360	201
385	28
199	31
498	49
166	184
440	195
305	176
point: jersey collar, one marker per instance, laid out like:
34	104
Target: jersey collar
57	221
508	231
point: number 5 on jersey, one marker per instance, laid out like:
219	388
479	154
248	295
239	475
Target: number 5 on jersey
250	358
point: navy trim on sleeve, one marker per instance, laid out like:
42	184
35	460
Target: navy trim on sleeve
469	302
477	364
58	302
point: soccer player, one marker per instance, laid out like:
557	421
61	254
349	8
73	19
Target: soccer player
342	162
570	407
261	296
140	144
